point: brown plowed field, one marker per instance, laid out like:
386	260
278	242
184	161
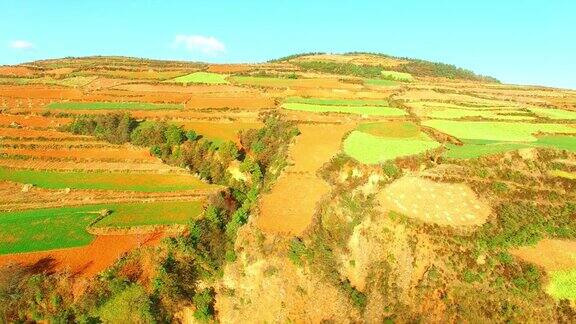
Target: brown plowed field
84	261
13	198
219	102
289	208
39	164
117	153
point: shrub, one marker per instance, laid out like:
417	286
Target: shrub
204	302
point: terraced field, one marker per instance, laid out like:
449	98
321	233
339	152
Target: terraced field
391	170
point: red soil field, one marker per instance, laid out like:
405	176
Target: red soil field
30	133
32	120
193	88
39	92
84	261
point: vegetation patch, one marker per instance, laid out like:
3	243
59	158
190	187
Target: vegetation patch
151	213
497	131
143	182
113	106
201	77
360	110
563	284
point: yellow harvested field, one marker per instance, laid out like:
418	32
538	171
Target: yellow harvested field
434	202
551	254
289	208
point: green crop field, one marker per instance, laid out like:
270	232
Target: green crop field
113	106
380	82
201	77
360	110
553	113
152	213
497	131
46	229
143	182
477	148
399	129
563	284
338	102
370	149
449	113
397	76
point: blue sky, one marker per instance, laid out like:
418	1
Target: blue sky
517	41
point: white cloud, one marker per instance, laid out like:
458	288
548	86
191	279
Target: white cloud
197	43
21	45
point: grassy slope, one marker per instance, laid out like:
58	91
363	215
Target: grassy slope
104	181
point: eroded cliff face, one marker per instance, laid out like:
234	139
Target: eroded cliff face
263	285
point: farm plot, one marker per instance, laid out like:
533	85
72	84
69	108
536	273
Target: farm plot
133	74
434	202
325	83
373	143
38	134
314	146
380	83
477	148
143	182
497	131
127	215
553	113
113	106
241	101
32	121
46	229
558	258
397	76
85	261
201	77
108	154
360	110
337	102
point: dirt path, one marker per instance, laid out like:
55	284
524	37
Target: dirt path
83	261
290	206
